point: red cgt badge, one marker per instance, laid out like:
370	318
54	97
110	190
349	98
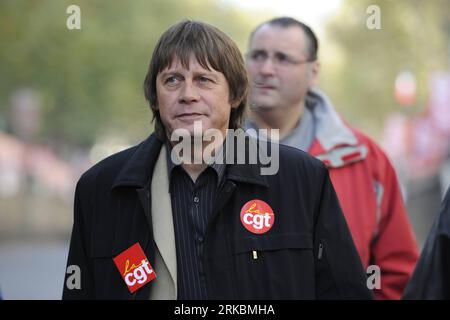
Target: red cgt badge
257	216
134	267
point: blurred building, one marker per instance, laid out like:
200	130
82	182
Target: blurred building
36	190
419	146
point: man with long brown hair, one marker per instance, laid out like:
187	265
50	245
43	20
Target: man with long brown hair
154	223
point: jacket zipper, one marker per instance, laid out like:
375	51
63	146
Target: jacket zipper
225	192
319	255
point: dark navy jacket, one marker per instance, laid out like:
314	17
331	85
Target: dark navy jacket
431	277
307	254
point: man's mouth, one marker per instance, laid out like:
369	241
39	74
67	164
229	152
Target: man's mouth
189	115
264	86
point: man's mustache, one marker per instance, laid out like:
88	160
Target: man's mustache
265	83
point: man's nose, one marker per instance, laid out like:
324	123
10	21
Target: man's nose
267	67
189	93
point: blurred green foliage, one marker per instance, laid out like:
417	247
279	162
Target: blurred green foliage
91	79
359	73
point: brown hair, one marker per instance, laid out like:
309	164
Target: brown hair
209	46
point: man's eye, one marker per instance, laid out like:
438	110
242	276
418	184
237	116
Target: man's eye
204	79
282	58
258	55
171	80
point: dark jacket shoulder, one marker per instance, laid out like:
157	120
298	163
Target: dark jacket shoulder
293	156
103	173
301	167
131	166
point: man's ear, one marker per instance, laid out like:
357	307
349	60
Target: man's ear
234	104
314	73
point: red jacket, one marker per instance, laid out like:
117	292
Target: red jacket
370	197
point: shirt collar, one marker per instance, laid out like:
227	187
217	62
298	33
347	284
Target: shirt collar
218	165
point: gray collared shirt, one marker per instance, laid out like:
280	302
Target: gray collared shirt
302	136
192	206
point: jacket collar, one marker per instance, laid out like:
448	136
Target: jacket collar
163	232
138	168
336	145
331	130
247	172
137	171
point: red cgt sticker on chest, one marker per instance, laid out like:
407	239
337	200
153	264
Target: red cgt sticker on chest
134	267
257	216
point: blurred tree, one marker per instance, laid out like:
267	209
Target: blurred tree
360	65
91	79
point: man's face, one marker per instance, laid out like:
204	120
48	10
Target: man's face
276	63
189	95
